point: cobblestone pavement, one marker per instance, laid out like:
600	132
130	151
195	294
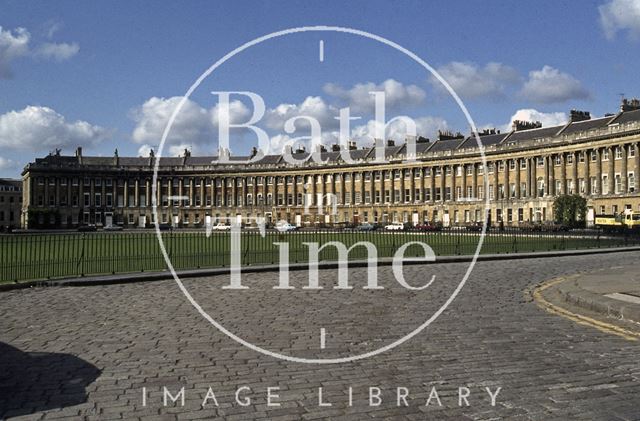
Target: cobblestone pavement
88	352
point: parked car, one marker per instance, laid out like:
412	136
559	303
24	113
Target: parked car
365	227
395	226
112	228
285	227
474	226
165	227
427	227
221	226
87	228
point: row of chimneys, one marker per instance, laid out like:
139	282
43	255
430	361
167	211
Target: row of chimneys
517	125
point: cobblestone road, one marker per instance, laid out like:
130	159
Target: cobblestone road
88	352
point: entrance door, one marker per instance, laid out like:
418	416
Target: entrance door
590	217
108	220
142	221
445	219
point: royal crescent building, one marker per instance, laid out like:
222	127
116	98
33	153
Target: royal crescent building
443	180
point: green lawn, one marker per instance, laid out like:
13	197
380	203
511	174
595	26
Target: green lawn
45	256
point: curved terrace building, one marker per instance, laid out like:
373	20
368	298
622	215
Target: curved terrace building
442	181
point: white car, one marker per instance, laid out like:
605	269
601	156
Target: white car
221	227
395	226
285	227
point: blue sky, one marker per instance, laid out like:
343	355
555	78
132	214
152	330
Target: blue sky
105	74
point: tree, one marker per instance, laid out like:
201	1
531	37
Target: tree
570	210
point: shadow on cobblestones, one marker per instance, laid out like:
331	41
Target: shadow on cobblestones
37	381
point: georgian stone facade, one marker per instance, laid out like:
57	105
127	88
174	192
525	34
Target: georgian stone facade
444	181
10	203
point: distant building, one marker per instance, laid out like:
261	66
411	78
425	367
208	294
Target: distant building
10	203
441	181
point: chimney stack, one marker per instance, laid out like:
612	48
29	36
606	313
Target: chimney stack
577	115
519	125
630	104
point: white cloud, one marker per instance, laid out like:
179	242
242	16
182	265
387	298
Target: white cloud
312	106
6	164
13	44
194	128
38	128
359	99
549	85
470	81
425	126
51	27
530	114
145	150
57	52
620	15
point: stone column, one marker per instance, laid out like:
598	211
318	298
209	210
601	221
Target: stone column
125	198
587	173
598	170
158	193
453	183
203	186
213	192
547	178
147	192
552	176
412	183
530	175
422	186
443	182
223	191
352	189
136	193
507	184
496	181
623	175
169	192
180	192
432	172
474	181
463	182
517	180
285	188
636	148
402	186
234	191
574	174
563	173
56	199
612	173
